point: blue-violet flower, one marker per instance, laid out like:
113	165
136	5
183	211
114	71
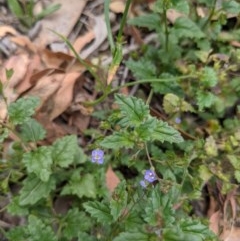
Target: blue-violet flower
143	183
150	176
98	156
178	120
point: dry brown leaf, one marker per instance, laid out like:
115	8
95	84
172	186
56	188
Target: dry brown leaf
100	33
112	179
24	41
64	95
79	120
62	21
232	235
117	6
172	15
25	84
5	29
214	222
81	41
45	88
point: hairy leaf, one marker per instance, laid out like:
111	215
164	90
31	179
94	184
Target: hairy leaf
34	189
164	132
31	130
21	110
80	186
119	200
64	150
118	140
205	99
134	111
208	77
75	222
39	161
100	211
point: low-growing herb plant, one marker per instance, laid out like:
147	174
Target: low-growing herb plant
171	157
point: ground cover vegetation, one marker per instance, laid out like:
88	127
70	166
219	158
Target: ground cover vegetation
159	159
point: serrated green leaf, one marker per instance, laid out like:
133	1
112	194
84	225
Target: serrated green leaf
235	161
21	110
39	231
134	111
186	28
9	73
205	99
208	77
31	130
181	6
15	209
173	104
80	185
145	130
100	211
118	140
39	161
150	21
17	234
164	132
34	189
142	69
133	236
64	150
159	206
4	133
119	200
75	221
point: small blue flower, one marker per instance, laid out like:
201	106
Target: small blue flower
150	176
178	120
143	183
98	156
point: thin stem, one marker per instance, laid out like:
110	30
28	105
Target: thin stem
150	97
148	156
165	27
210	15
109	31
123	21
106	93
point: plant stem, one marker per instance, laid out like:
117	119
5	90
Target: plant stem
123	21
210	15
107	20
106	93
165	26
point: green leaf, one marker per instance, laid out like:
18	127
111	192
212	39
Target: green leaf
159	207
34	189
31	130
205	99
15	8
21	110
49	10
150	21
181	6
64	150
9	73
208	77
173	104
39	231
39	161
236	164
100	211
15	209
75	222
133	236
4	133
118	140
186	28
142	69
164	132
17	234
80	185
133	110
231	6
118	202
